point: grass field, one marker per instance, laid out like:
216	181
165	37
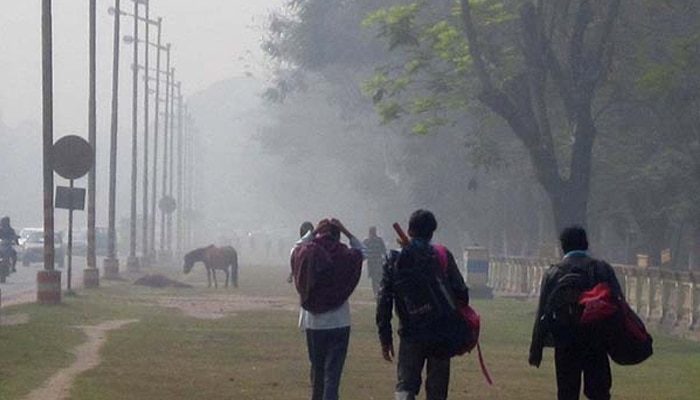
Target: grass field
260	354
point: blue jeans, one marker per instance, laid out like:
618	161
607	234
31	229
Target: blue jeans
327	350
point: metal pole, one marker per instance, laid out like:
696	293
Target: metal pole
166	129
111	263
146	96
185	180
180	197
48	280
195	179
132	262
188	180
152	233
70	239
171	159
92	137
47	131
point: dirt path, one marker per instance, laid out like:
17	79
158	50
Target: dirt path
222	305
86	357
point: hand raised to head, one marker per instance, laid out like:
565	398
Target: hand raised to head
336	222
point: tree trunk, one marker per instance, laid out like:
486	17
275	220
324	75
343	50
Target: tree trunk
525	103
694	250
569	204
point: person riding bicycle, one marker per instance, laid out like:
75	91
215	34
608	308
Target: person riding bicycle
8	238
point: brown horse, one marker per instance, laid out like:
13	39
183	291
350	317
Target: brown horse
214	258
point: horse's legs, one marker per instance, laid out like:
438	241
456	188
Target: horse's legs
208	277
213	272
234	273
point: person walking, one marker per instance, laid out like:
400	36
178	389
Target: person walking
325	273
420	344
305	228
578	349
376	252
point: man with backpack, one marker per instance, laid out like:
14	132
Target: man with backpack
424	293
325	273
579	349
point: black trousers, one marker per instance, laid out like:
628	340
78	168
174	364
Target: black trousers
585	358
413	357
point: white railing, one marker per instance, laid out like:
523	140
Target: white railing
661	296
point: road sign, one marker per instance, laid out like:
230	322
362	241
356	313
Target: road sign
70	198
72	157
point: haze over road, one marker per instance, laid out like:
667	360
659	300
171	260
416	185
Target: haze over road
21	286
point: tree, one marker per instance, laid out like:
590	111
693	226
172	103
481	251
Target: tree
650	160
537	65
321	47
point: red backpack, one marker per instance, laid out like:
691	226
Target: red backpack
626	337
470	317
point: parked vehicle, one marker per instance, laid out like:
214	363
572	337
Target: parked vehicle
31	247
80	242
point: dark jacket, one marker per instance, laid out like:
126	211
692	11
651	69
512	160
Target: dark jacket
599	271
387	300
8	235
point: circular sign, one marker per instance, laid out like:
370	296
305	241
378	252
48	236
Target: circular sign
72	157
167	204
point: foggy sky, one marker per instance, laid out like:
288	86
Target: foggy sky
213	40
209	37
216	42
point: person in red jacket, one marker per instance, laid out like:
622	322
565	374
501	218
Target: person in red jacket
324	289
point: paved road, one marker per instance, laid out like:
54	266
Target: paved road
21	286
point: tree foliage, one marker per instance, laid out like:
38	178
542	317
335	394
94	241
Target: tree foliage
601	95
537	65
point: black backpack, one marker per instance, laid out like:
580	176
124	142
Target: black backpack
426	303
562	311
420	288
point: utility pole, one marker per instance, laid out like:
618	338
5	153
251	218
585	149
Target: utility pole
48	278
152	233
166	133
146	96
133	261
111	263
171	162
180	197
91	275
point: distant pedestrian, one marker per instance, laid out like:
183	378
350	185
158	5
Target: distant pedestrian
305	228
376	252
325	273
406	276
578	349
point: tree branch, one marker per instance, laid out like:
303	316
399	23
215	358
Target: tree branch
606	36
533	51
474	48
577	61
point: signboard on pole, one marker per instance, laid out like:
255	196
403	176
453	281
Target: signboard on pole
70	198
